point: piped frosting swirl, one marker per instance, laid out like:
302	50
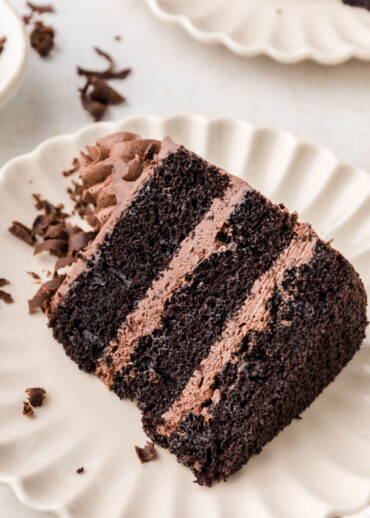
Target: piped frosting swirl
109	169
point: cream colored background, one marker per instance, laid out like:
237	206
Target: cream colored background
173	73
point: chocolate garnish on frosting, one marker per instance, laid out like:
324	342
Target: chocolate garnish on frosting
110	169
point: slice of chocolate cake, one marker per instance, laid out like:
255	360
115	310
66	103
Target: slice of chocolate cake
221	313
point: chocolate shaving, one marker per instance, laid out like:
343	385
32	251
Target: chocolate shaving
95	108
49	208
40	9
23	232
2	43
40	224
36	396
80	470
80	241
56	231
64	261
82	208
108	73
42	39
104	93
34	275
44	295
147	453
3	282
74	168
6	297
27	409
54	246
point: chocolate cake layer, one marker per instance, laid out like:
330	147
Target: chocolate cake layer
193	318
220	312
316	324
133	247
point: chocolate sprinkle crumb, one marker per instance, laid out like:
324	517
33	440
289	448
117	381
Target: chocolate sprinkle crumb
42	39
3	282
27	409
2	43
147	453
34	275
80	470
6	297
74	168
36	396
23	232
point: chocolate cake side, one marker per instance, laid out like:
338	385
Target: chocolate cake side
133	247
222	314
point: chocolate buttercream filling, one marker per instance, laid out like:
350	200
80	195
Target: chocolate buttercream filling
196	247
252	315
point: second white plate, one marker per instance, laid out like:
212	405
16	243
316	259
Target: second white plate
317	467
289	31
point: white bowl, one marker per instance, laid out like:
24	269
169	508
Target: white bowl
14	55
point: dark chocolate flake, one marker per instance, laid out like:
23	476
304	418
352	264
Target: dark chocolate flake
74	168
80	241
34	275
23	232
40	9
3	282
95	108
109	72
44	295
104	93
147	453
36	396
2	43
27	409
6	297
64	261
80	470
42	39
56	247
40	224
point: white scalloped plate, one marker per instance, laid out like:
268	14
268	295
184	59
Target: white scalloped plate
14	55
319	465
289	31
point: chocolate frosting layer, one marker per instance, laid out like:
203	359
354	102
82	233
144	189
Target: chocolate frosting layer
110	169
253	315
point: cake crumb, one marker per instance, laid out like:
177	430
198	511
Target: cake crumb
34	275
27	409
42	39
2	43
80	470
6	297
147	453
36	396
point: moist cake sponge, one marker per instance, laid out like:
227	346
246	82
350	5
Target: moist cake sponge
217	310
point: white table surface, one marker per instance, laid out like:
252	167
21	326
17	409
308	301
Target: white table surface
172	73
